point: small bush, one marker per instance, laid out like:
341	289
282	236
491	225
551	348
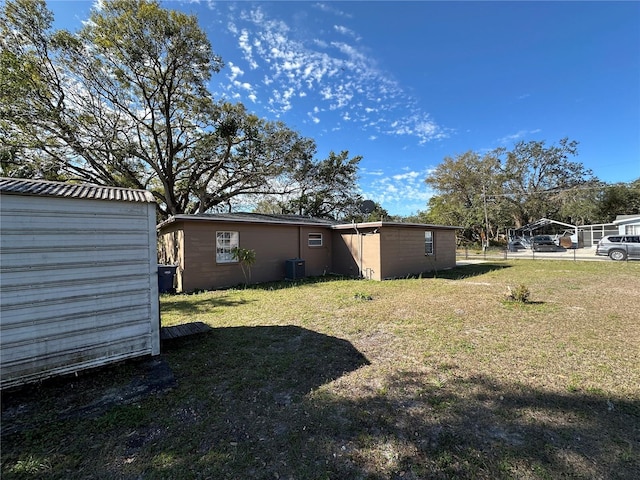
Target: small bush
362	296
521	293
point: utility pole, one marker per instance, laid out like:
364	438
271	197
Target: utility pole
486	218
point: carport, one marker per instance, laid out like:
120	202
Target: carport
527	231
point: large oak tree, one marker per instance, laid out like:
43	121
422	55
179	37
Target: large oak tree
124	102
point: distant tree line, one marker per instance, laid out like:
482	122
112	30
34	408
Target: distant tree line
485	194
124	102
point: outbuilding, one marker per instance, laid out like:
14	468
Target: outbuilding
78	284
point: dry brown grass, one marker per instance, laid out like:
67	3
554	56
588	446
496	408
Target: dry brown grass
417	378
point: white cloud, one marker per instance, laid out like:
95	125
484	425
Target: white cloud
342	75
406	176
330	8
313	118
247	49
515	137
346	31
400	189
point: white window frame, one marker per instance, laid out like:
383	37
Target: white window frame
632	229
313	242
226	241
429	242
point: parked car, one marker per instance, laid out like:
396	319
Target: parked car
619	247
543	243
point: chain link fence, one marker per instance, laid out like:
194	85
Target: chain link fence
498	253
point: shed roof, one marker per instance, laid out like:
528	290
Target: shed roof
22	186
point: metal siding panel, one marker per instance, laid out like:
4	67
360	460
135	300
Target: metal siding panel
70	277
88	300
49	327
37	367
25	352
78	285
52	259
30	239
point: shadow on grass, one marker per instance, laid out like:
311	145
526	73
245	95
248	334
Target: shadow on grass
462	272
190	304
252	358
256	402
224	386
283	284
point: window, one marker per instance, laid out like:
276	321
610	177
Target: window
315	239
632	229
225	243
428	242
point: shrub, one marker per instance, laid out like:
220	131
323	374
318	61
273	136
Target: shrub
521	293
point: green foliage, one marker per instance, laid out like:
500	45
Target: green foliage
520	293
194	154
326	188
505	188
618	200
362	296
246	258
463	184
535	176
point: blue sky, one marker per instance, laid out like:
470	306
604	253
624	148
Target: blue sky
405	84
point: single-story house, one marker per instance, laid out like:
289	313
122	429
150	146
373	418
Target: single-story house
78	283
201	248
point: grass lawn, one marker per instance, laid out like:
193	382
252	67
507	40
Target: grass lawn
346	379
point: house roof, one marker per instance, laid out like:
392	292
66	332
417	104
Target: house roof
273	219
626	219
22	186
242	217
382	224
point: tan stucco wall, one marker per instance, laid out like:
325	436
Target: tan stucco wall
391	251
403	251
377	252
273	244
356	254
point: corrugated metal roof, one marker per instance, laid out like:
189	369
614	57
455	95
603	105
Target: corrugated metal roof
22	186
243	217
